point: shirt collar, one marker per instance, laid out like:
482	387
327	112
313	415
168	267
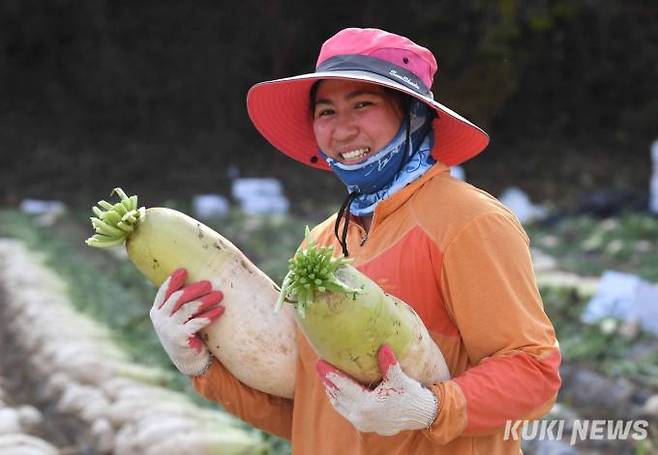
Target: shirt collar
395	201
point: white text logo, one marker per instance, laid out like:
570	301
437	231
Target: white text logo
580	430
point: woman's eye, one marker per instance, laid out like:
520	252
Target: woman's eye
362	104
324	112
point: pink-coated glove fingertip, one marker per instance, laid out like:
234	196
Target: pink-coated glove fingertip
213	313
192	292
176	281
195	343
208	302
212	298
323	369
386	359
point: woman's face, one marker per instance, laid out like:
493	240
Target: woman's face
352	119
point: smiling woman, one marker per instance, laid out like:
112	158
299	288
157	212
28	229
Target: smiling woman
364	131
351	119
454	254
375	139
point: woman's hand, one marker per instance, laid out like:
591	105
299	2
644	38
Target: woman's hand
397	404
178	313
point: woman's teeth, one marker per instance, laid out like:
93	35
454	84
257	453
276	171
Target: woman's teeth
355	154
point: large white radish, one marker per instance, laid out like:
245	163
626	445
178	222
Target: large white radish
256	345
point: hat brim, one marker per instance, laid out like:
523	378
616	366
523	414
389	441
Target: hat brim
280	111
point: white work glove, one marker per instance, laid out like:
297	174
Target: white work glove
178	313
397	404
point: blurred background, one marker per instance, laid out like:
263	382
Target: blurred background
96	93
150	96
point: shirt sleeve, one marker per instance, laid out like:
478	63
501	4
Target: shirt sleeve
489	287
264	411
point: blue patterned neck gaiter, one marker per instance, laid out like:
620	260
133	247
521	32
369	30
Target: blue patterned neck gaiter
397	164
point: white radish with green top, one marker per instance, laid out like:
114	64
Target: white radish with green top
256	345
347	317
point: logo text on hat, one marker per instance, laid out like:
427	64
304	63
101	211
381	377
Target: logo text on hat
404	78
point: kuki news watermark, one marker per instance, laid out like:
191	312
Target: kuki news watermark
576	430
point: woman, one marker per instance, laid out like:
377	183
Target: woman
451	251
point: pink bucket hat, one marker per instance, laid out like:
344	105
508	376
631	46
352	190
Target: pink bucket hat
280	111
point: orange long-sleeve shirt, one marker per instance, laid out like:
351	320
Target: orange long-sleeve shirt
461	259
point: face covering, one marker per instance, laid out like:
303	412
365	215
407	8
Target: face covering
401	161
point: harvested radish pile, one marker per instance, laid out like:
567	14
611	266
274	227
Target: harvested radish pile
119	405
17	425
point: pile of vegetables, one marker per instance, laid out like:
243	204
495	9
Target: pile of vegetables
346	317
17	427
121	406
255	344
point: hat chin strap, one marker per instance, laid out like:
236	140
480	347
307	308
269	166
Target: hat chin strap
344	212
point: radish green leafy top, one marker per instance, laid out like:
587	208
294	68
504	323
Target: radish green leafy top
113	223
312	272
